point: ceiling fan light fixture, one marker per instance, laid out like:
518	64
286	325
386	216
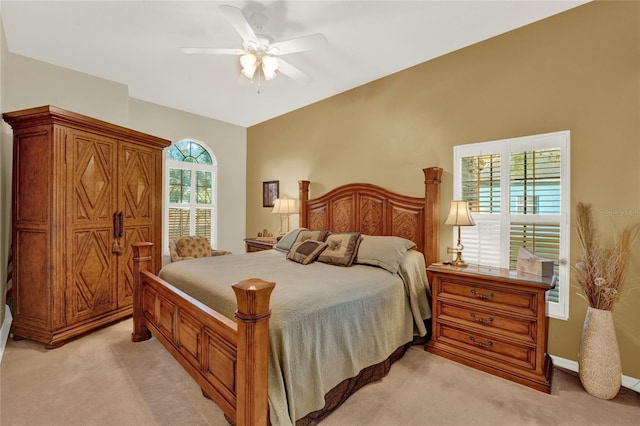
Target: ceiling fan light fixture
268	74
249	64
269	67
259	56
249	60
249	72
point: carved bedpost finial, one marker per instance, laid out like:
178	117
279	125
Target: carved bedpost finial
253	297
432	175
252	351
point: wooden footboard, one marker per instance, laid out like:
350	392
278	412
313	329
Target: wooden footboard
228	359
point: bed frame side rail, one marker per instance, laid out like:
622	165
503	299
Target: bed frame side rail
229	360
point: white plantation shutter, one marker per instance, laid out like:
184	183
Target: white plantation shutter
518	193
178	223
482	242
541	239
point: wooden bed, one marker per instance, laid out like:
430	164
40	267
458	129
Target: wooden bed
229	359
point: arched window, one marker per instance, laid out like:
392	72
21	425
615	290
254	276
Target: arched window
191	191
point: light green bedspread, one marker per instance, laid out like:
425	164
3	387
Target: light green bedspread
327	323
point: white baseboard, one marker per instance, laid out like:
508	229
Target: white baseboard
627	382
4	331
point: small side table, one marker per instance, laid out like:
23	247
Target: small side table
258	245
492	319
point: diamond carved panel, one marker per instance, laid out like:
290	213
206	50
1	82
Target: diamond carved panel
93	179
137	187
92	284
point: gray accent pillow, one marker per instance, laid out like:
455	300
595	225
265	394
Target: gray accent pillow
341	248
285	243
385	252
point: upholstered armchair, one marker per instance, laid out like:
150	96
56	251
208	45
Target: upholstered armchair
192	247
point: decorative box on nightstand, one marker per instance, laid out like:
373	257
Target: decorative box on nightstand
492	319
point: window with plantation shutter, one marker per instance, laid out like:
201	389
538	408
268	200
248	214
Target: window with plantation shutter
518	193
190	186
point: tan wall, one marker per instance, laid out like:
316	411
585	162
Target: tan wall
579	70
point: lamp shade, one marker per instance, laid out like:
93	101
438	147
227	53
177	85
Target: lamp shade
284	206
249	64
269	67
459	215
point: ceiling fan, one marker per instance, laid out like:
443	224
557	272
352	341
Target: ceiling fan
260	55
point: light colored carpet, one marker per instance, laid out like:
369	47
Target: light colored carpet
104	379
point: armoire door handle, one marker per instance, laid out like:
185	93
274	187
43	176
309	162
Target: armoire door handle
121	224
116	225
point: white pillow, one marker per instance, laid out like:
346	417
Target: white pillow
383	251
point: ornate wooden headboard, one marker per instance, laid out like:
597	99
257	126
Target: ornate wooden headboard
373	210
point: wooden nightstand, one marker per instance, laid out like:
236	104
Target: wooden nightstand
492	319
258	245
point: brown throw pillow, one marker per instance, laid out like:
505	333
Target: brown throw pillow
305	252
341	249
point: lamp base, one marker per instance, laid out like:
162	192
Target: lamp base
458	260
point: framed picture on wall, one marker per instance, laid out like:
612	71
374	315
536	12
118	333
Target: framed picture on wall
270	191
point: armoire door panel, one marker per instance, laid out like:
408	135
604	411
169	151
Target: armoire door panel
137	189
94	168
93	287
137	168
91	202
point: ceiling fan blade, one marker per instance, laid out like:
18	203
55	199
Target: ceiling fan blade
313	41
292	72
212	51
240	23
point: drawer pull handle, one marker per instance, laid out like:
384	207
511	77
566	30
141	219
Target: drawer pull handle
481	320
481	296
481	344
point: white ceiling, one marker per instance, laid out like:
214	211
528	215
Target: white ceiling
137	43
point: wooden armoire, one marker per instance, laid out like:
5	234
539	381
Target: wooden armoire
83	191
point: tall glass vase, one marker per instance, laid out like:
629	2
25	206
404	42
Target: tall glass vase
599	364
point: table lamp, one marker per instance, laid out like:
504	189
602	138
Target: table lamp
459	215
284	207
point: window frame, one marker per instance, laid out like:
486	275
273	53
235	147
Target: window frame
504	218
192	205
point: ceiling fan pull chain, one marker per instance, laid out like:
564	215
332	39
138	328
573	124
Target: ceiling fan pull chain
259	82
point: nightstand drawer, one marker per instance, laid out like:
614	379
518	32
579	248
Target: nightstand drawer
496	350
481	294
517	328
